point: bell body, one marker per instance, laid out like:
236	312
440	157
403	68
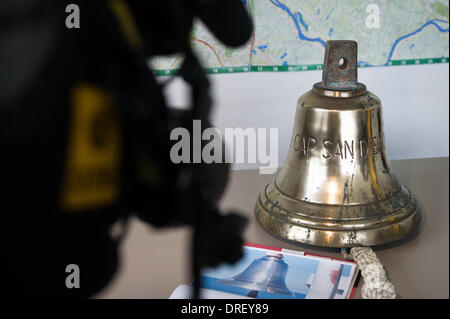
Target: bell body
267	274
336	188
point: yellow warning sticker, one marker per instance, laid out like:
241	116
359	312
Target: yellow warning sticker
91	177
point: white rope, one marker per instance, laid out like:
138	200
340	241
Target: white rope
376	285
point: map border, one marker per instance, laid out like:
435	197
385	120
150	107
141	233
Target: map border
300	67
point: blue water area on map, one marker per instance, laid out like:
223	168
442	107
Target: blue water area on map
254	52
262	47
211	283
283	56
302	21
296	17
296	22
331	31
285	63
329	14
431	22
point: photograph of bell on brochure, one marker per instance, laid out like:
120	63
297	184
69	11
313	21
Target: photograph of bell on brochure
271	273
181	150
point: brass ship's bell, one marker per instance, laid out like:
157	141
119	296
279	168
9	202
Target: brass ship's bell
336	188
267	274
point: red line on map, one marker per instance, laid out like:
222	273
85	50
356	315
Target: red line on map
175	61
209	46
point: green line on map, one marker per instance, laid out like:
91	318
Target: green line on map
288	68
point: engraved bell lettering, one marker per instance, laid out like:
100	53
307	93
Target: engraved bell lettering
336	188
267	274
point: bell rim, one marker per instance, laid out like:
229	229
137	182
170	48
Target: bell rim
322	232
391	213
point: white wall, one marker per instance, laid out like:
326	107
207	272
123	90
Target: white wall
415	105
